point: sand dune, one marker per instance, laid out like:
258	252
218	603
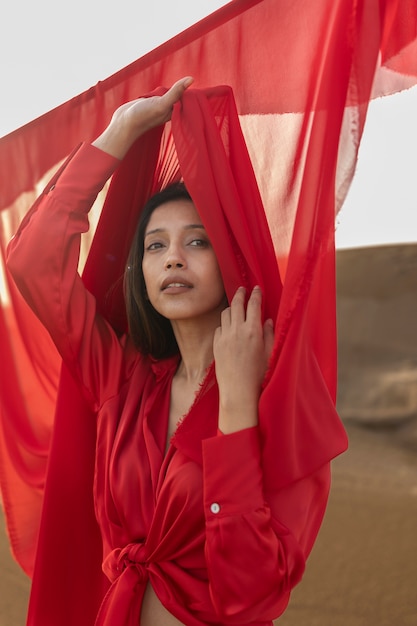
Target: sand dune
377	305
363	569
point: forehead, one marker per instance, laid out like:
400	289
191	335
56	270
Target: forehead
172	214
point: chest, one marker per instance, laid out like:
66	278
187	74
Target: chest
135	470
182	397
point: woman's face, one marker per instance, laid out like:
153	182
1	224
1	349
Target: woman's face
180	269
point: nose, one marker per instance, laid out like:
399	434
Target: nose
174	259
170	264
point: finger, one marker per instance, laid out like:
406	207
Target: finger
269	338
176	91
237	306
254	308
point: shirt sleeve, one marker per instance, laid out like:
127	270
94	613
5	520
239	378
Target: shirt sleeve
43	260
256	543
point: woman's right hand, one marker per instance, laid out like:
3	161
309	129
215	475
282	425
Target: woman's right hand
242	348
133	119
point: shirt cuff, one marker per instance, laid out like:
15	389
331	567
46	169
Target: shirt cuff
232	473
83	175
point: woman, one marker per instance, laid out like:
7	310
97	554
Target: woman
191	535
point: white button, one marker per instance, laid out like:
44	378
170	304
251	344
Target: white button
215	507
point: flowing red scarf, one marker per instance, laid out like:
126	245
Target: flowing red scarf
302	74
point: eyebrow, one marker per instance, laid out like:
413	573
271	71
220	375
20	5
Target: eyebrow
161	230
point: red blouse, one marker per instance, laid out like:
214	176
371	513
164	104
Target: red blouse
198	524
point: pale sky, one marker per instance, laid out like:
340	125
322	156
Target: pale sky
50	52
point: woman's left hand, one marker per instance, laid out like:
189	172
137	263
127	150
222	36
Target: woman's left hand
242	347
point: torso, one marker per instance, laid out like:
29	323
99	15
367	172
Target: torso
153	613
168	510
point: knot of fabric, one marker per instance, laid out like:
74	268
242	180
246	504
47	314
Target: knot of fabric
126	568
132	555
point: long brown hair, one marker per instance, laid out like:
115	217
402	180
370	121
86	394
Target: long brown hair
151	333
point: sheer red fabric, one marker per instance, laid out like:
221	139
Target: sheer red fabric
157	522
302	74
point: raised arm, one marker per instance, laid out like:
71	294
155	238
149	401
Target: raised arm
256	542
43	256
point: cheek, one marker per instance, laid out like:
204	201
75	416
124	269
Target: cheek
217	281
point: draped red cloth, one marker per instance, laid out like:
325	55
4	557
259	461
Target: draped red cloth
302	73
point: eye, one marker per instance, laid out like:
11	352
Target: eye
154	245
199	243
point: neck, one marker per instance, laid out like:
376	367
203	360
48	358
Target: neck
196	348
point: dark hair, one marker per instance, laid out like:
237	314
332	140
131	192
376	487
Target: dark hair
151	333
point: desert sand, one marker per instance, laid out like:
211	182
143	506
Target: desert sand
363	568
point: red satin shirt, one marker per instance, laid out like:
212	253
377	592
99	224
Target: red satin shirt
195	522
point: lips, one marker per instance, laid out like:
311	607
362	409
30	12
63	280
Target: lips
175	282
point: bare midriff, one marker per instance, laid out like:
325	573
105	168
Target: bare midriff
153	612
